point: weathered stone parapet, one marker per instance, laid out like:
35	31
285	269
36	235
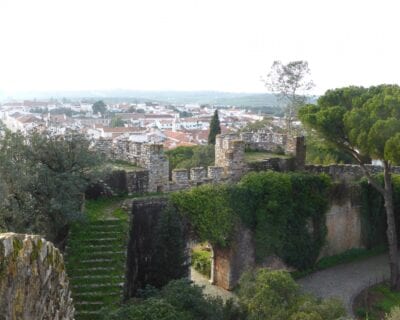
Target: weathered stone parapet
229	154
198	174
33	282
215	173
263	140
346	172
180	176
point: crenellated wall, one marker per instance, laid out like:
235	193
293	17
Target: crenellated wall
263	140
33	282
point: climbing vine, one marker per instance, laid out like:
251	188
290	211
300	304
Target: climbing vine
285	211
373	214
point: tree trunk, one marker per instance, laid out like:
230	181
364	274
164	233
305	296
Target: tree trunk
391	230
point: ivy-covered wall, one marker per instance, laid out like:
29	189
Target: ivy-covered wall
285	211
373	214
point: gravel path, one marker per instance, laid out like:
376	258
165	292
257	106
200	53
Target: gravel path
210	289
347	280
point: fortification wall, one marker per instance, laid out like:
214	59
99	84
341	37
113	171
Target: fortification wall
346	172
33	282
263	140
147	156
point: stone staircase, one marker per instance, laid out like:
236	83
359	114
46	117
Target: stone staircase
95	262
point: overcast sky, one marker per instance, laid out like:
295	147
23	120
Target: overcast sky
224	45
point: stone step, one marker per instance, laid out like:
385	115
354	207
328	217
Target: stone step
100	285
99	277
100	294
96	260
92	247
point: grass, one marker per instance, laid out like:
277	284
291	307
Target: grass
255	156
348	256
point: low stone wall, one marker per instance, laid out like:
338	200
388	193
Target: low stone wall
33	282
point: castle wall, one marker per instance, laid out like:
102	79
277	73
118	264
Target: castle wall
262	140
343	221
33	282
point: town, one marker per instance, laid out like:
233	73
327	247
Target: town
170	125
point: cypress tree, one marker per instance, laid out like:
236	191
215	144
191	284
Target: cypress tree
214	128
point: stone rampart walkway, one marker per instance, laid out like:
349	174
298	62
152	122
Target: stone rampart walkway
347	280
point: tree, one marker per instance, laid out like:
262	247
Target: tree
364	123
99	107
43	178
117	121
214	128
290	82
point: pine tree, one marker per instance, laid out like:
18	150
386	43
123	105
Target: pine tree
214	128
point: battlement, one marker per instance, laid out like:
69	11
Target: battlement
230	165
262	140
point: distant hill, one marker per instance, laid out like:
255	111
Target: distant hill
175	97
263	102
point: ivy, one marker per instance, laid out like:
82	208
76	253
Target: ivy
285	211
373	214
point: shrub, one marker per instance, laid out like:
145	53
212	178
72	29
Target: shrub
201	261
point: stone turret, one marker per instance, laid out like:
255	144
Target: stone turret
229	154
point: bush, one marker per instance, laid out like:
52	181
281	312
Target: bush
274	295
201	261
177	300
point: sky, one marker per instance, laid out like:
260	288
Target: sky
222	45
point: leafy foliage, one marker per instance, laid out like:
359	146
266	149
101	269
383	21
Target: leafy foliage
99	107
285	211
274	295
191	157
214	128
42	180
209	212
373	214
201	261
365	123
177	300
117	121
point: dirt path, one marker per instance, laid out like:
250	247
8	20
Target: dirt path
347	280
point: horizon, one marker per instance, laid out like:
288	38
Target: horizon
187	46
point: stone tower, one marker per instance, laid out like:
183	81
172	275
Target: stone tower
229	154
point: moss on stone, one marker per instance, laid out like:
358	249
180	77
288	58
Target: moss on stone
17	246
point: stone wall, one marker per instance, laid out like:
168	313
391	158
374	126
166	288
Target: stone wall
229	154
33	282
230	263
147	156
263	140
144	221
343	221
346	172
